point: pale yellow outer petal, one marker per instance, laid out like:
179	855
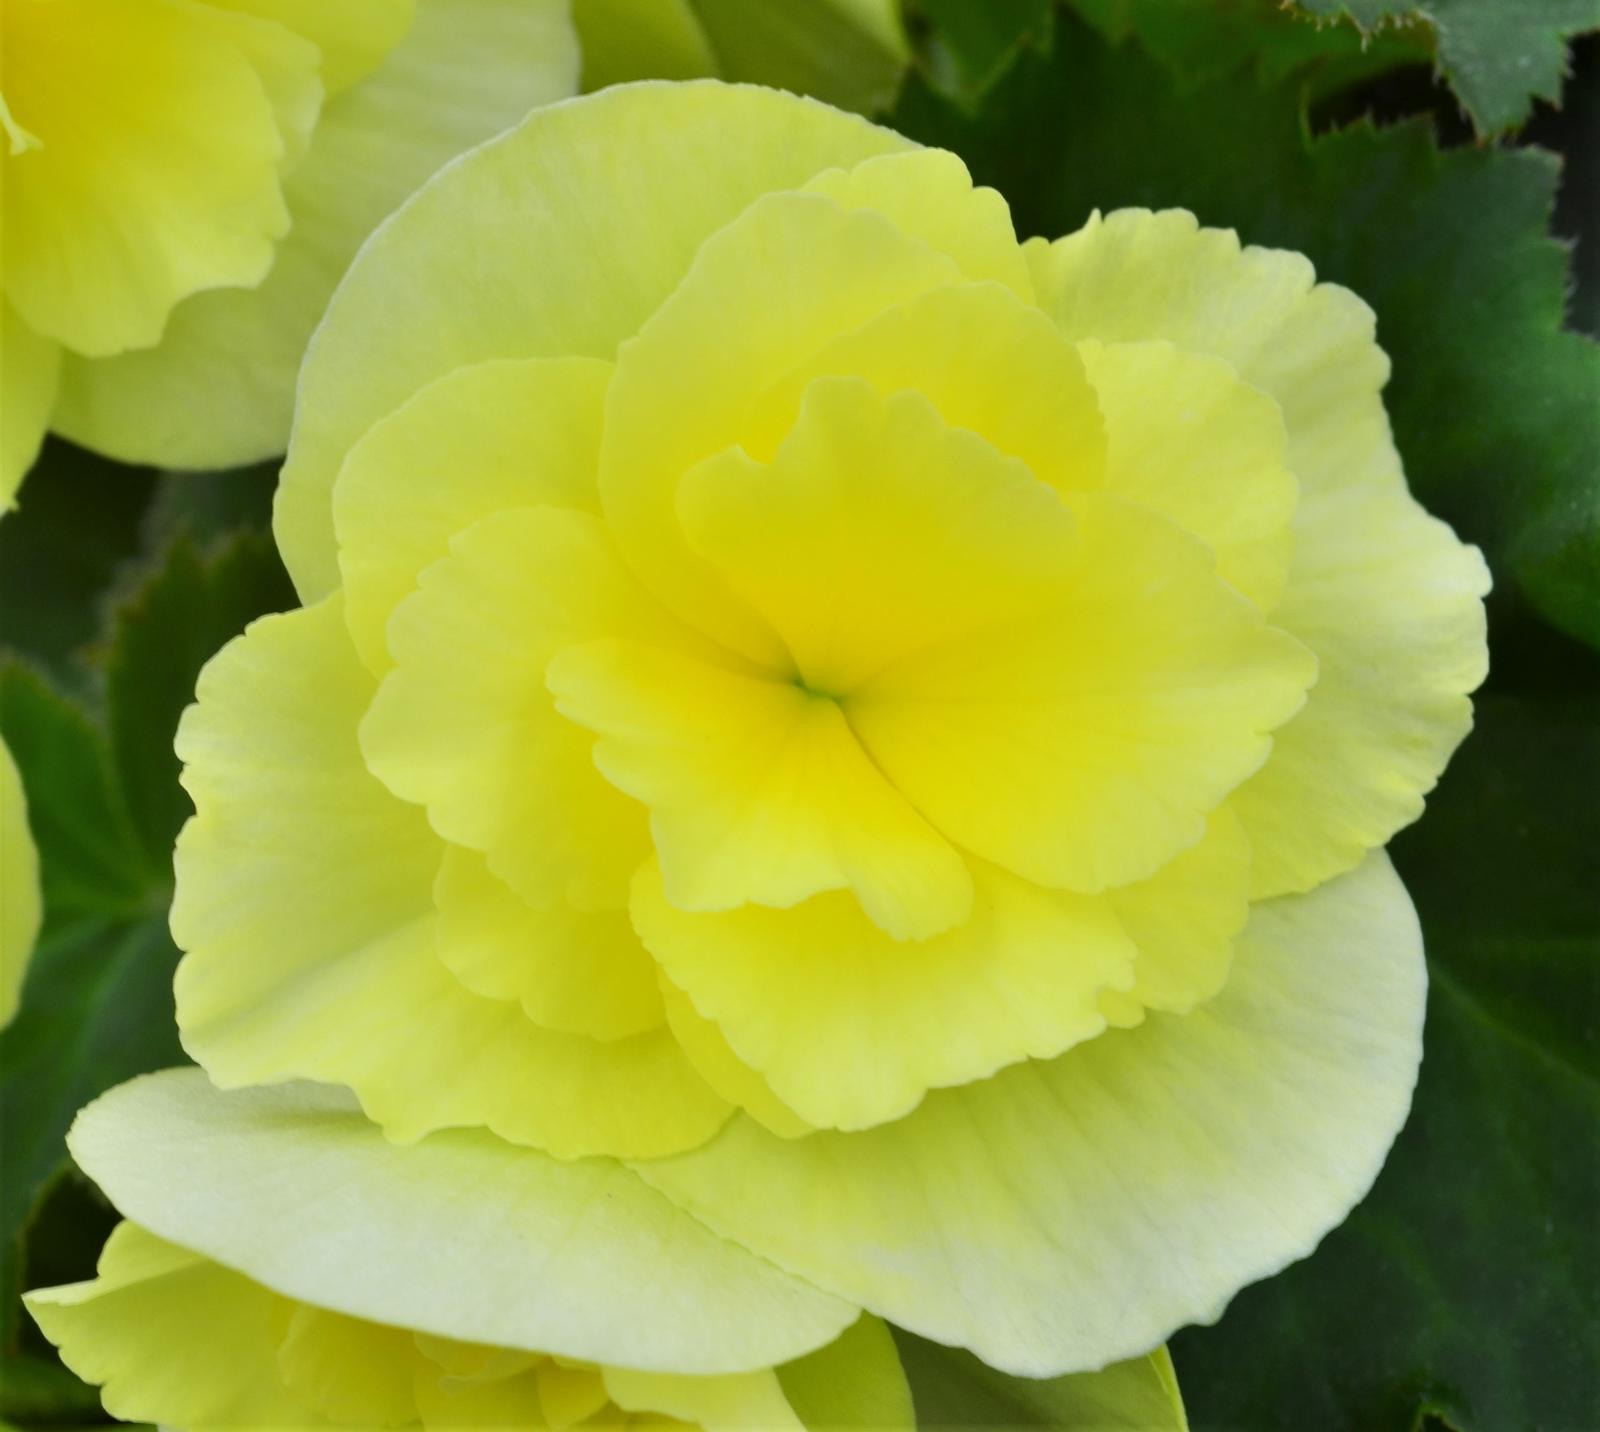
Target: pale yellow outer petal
30	372
572	191
1392	603
1066	1214
21	907
486	437
577	1259
218	390
305	901
1386	597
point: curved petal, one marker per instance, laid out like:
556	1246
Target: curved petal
348	1370
172	1336
305	902
124	204
576	971
30	374
1187	439
464	725
1084	748
929	194
486	437
1183	921
799	269
21	905
850	1028
984	359
723	1070
757	789
569	191
1066	1214
1134	276
715	1404
876	533
218	390
577	1259
1404	652
1392	603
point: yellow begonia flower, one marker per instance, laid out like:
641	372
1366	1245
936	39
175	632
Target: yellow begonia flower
785	667
21	907
284	1267
183	181
848	52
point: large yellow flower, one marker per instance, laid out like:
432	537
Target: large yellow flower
183	182
889	728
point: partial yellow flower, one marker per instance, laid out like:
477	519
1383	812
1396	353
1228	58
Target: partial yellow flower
889	728
848	52
21	907
288	1269
183	181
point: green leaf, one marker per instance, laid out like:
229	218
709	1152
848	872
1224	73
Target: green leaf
1201	41
105	806
975	41
77	523
1464	1285
953	1389
1492	402
1499	55
162	636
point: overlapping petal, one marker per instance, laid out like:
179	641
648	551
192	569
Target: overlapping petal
1136	276
218	389
1067	1213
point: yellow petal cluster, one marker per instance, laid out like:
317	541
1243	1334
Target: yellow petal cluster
178	1339
164	162
790	675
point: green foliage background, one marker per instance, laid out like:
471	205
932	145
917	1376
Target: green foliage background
1465	1292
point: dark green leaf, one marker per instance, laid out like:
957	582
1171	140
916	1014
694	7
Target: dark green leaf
1202	41
1466	1285
975	41
77	522
1499	55
161	637
1493	403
